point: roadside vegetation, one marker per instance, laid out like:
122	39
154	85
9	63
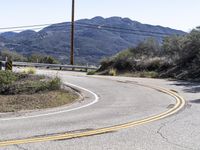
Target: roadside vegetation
178	57
34	58
91	72
25	91
38	58
11	55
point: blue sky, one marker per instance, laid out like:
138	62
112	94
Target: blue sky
178	14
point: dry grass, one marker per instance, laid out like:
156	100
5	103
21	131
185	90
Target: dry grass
142	74
112	72
29	70
15	103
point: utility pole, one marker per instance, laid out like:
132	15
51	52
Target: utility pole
72	35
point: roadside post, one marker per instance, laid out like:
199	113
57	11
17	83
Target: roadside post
86	69
1	65
9	65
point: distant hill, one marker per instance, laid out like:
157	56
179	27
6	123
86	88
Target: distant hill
94	38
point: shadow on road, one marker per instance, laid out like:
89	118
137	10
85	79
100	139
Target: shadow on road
189	87
196	101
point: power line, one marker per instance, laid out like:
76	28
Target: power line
20	30
19	27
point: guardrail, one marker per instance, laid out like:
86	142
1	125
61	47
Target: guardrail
59	66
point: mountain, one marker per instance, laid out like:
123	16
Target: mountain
8	35
94	38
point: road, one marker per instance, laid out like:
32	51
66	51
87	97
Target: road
106	118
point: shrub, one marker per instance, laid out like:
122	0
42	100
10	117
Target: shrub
30	87
172	47
92	72
7	77
54	84
124	64
153	64
105	63
150	47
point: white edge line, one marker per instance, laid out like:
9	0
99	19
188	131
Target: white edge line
59	112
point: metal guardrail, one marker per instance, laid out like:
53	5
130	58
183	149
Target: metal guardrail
59	66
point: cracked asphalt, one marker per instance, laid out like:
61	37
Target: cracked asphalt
120	101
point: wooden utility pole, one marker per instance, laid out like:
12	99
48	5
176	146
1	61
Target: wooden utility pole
72	35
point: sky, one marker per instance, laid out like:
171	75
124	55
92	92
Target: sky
178	14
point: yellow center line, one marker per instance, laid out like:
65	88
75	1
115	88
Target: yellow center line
180	102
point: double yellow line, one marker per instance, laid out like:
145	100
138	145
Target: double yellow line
180	102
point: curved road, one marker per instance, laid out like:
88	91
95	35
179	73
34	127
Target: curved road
114	102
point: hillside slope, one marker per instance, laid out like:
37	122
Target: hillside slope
178	58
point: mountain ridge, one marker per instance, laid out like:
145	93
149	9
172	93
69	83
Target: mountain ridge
94	38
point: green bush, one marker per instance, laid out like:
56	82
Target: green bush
7	77
105	64
124	64
54	84
30	87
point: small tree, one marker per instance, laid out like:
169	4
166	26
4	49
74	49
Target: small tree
150	47
191	48
172	47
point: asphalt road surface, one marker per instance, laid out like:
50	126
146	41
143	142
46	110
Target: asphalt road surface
116	113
